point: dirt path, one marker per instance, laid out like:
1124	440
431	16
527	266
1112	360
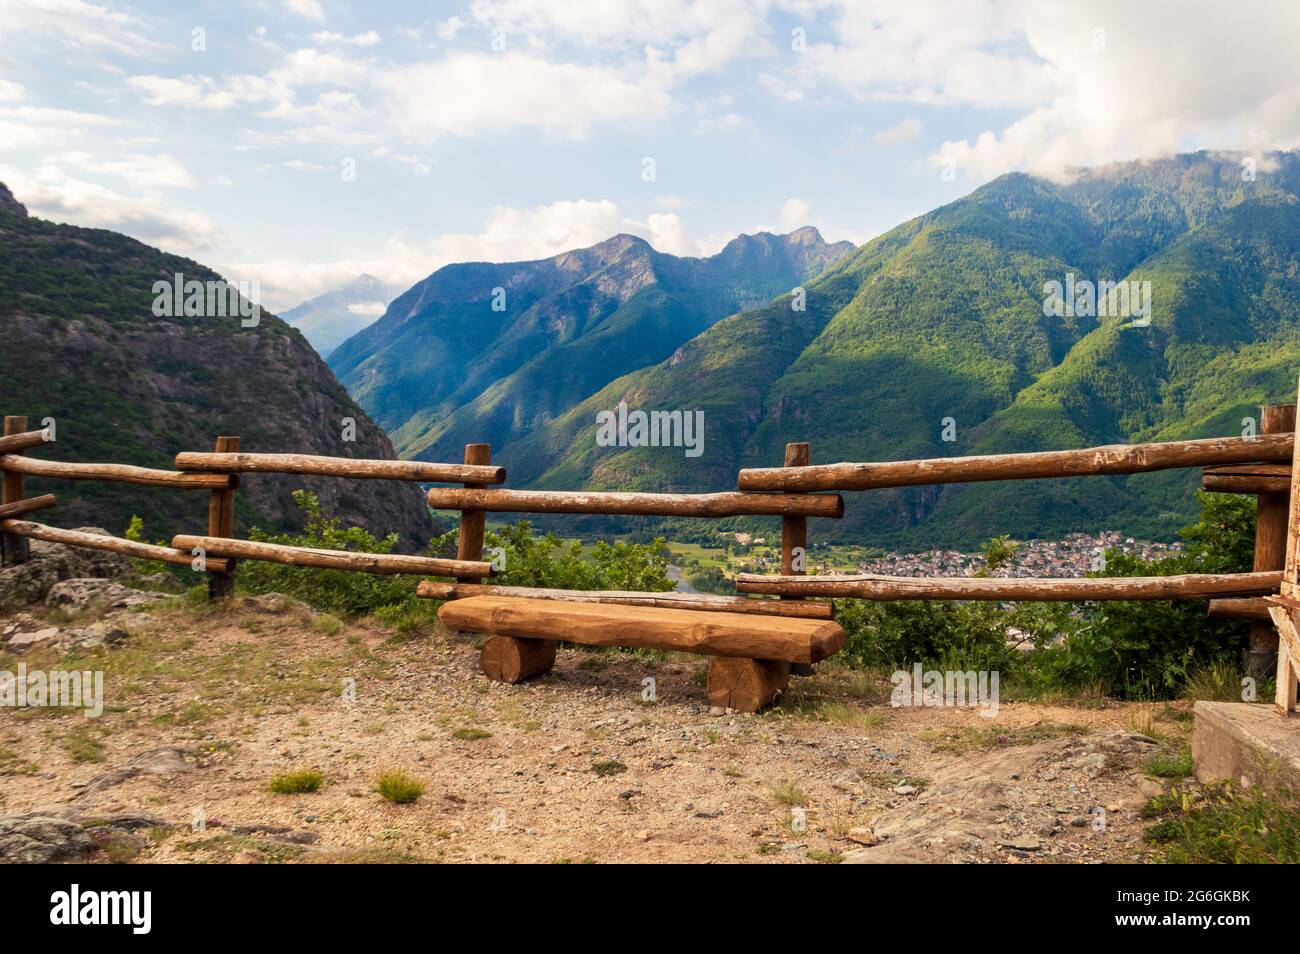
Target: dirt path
573	767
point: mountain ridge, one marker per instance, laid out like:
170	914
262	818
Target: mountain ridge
85	347
475	347
942	318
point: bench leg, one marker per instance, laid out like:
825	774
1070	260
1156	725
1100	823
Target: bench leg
507	659
747	685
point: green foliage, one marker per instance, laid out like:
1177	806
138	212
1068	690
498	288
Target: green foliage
135	532
341	592
1225	826
548	561
707	579
1137	649
1146	649
998	552
949	634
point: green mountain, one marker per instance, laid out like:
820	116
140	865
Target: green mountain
83	345
940	325
481	352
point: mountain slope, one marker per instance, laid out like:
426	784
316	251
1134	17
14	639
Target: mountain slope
942	321
443	367
330	319
83	346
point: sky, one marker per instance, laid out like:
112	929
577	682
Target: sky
299	144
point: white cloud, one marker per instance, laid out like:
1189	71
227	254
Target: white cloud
39	127
794	213
276	89
1128	97
11	92
368	308
970	54
903	131
53	194
448	28
369	38
79	25
146	170
495	92
310	9
1089	82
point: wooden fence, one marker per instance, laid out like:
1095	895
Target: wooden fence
796	491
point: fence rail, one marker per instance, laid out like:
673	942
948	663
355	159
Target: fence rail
340	467
1092	461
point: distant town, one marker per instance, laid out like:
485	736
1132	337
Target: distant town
1072	556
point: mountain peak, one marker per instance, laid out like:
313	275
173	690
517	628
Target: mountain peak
808	235
9	204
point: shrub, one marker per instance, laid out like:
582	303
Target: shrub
341	592
1147	649
548	561
1226	827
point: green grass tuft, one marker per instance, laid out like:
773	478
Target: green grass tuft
295	783
398	787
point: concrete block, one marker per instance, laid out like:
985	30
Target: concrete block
1247	743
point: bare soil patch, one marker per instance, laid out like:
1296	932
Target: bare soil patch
205	708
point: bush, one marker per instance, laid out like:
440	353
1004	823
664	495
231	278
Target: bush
948	634
341	592
1227	826
547	561
1147	649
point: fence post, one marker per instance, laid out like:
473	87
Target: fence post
221	523
1258	658
469	546
794	536
13	548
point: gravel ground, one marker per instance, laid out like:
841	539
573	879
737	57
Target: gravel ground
204	708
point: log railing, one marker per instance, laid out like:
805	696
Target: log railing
1261	464
218	472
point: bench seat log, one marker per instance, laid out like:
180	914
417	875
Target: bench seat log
698	602
647	627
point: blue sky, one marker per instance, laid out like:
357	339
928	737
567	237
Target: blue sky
516	129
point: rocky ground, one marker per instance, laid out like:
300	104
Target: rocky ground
204	706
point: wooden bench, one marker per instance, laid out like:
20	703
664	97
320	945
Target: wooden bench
752	653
